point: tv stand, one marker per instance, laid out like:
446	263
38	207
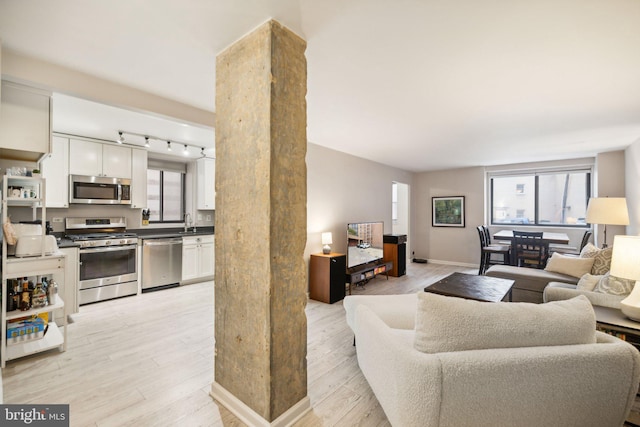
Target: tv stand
362	275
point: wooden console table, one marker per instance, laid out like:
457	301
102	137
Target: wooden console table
363	275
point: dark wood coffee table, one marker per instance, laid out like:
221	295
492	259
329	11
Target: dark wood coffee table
470	286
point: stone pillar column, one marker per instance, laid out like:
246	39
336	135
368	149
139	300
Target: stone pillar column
260	225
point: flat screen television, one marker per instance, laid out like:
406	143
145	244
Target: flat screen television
364	243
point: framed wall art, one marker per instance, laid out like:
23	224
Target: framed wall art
447	211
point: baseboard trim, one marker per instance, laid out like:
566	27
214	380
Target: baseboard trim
460	264
250	417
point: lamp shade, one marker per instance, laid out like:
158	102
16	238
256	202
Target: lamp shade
607	210
326	238
624	264
625	259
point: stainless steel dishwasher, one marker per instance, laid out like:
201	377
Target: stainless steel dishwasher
161	263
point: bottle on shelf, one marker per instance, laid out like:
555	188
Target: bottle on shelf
39	296
25	297
10	296
52	291
16	295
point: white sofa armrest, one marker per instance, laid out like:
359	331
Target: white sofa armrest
397	311
556	291
406	382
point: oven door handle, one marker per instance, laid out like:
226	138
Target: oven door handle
107	249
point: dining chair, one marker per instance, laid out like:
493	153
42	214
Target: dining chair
568	250
531	250
487	249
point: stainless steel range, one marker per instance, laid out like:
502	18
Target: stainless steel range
108	258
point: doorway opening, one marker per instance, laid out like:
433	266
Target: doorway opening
400	211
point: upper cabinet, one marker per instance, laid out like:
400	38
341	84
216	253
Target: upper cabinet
139	178
55	168
206	184
25	122
96	159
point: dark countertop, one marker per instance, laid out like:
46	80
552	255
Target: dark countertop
161	233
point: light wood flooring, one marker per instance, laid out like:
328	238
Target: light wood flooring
148	361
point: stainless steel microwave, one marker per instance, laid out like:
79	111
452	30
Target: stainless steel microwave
99	190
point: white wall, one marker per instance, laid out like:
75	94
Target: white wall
448	244
609	182
342	188
632	189
461	245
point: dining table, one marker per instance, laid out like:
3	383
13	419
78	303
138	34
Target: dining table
547	237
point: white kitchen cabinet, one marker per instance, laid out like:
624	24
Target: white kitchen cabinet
116	161
198	260
138	178
68	285
206	184
25	122
55	169
96	159
189	260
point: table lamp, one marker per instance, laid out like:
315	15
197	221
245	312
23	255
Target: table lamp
326	241
607	210
625	263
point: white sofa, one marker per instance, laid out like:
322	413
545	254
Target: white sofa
562	385
556	291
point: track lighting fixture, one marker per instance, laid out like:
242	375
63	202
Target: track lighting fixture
147	142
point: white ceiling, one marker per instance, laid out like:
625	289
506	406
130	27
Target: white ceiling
416	84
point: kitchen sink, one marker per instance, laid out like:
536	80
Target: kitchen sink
187	232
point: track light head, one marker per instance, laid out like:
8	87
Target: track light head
120	138
168	145
202	152
146	142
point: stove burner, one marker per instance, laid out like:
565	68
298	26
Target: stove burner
95	233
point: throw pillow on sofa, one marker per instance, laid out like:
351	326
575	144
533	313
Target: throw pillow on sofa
588	282
601	258
613	285
569	265
445	324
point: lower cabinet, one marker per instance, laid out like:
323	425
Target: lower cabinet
68	285
198	258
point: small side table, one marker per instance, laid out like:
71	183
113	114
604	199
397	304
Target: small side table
612	321
327	277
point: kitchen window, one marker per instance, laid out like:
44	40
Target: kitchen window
553	198
165	194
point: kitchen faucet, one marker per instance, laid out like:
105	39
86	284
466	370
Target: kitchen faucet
187	221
